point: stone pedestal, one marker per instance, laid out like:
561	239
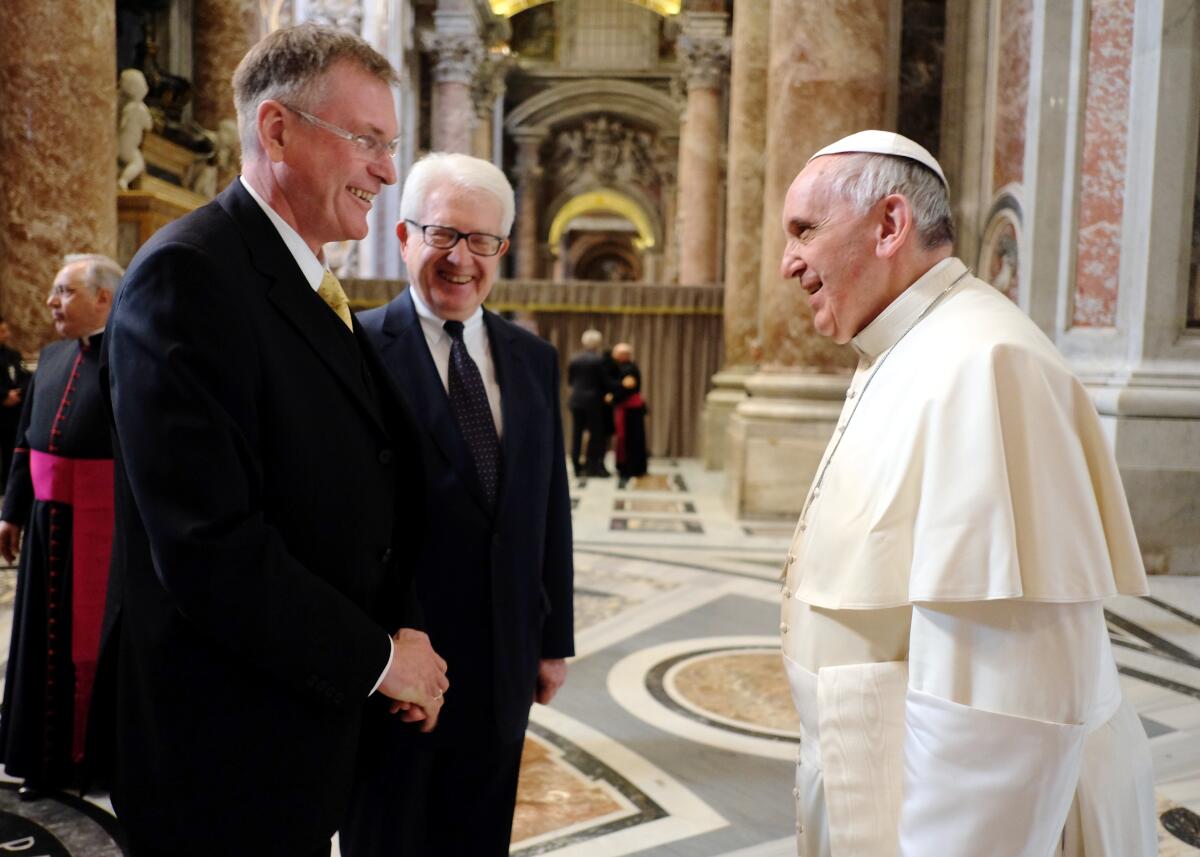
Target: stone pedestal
1155	433
729	391
58	133
776	438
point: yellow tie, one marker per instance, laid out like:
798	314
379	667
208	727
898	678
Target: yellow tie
331	292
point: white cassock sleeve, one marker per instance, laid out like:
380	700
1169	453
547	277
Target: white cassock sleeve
1001	696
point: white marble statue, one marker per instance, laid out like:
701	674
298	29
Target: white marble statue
134	121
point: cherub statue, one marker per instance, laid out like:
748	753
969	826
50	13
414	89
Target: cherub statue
134	121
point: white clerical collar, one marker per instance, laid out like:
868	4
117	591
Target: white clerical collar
310	266
431	320
896	318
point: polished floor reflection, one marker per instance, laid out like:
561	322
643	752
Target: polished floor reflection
675	732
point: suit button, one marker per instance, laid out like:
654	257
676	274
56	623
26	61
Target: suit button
386	456
386	556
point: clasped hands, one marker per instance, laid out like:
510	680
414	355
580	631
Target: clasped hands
416	680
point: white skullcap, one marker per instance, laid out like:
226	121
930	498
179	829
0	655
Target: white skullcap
884	143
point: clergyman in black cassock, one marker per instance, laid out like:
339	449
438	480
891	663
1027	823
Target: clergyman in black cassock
60	496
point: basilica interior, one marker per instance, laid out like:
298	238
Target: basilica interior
650	144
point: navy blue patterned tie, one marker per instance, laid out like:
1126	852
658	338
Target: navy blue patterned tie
468	400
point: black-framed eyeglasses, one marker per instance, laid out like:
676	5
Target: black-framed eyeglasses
445	238
369	144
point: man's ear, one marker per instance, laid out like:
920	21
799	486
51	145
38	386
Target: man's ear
503	247
402	234
271	126
895	225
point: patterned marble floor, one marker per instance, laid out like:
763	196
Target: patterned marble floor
675	732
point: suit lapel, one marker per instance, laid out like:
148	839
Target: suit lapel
406	353
297	302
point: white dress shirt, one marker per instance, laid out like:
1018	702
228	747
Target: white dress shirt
314	271
475	337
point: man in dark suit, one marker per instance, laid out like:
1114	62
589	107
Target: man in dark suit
495	573
588	378
14	381
266	496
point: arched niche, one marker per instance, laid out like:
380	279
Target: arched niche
606	201
567	103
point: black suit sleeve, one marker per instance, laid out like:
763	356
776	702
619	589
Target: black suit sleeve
18	494
185	381
558	575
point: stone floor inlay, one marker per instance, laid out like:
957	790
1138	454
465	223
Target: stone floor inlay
740	688
656	525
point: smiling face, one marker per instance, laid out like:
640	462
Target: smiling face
830	250
330	182
453	283
77	308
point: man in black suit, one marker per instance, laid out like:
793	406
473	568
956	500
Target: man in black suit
14	381
495	573
266	496
588	378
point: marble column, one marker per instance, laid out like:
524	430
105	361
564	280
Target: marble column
223	31
488	88
828	77
529	191
743	224
456	58
58	133
704	52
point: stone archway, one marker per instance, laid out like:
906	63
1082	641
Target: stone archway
614	138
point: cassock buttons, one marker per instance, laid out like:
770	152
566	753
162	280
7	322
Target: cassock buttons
787	593
850	394
783	627
796	794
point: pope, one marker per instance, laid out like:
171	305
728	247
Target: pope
943	626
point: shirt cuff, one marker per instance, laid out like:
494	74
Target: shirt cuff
383	675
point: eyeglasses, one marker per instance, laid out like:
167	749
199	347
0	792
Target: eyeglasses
367	143
445	238
61	291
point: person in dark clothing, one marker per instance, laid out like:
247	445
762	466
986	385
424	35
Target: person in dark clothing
60	495
629	415
588	380
14	381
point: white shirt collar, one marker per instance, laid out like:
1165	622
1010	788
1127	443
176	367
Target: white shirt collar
887	328
310	266
431	319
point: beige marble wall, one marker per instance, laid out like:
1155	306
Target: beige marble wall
58	173
828	78
743	210
223	31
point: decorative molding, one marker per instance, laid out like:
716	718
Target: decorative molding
456	56
343	14
704	60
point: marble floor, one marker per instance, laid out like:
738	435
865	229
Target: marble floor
675	734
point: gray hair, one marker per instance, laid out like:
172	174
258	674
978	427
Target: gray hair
863	179
462	172
592	339
289	65
101	273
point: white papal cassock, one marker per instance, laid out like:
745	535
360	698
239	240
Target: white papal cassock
943	628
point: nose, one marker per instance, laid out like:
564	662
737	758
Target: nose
460	253
52	300
384	168
791	265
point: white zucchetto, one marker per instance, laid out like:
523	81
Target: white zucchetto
884	143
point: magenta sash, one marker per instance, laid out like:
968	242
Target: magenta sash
86	485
